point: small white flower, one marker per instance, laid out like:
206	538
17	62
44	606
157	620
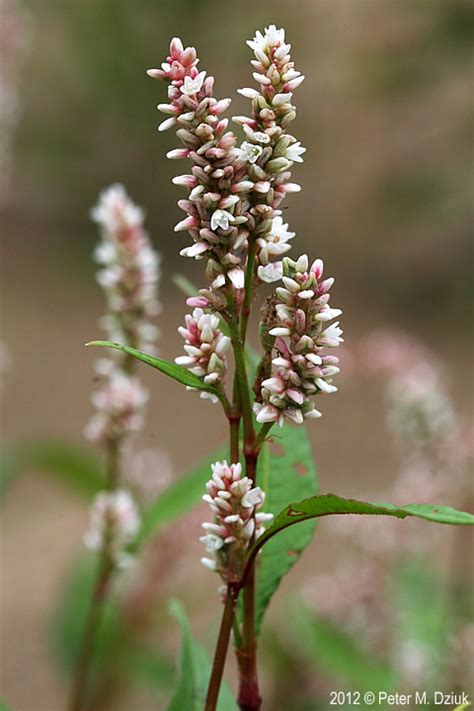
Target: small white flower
270	272
237	277
248	93
272	37
221	219
212	542
275	242
294	152
193	86
250	152
332	336
254	497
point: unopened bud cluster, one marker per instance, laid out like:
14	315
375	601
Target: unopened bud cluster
301	368
206	348
236	506
114	522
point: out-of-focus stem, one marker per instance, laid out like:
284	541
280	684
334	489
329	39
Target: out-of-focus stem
98	596
91	624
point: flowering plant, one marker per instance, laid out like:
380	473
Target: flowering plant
234	221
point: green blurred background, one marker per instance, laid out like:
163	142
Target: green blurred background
386	114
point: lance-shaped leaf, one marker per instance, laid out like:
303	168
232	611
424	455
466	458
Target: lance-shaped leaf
194	673
286	470
330	504
172	370
79	468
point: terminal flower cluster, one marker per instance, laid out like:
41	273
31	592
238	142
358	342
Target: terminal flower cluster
218	178
114	522
238	520
301	368
269	149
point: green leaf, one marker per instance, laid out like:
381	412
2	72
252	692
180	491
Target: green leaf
177	499
339	654
77	467
9	469
115	647
330	504
4	707
463	707
286	470
185	284
194	673
177	372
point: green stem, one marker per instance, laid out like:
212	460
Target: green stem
241	373
234	426
249	695
246	306
98	597
262	434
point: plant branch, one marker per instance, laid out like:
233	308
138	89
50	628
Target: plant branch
221	648
262	434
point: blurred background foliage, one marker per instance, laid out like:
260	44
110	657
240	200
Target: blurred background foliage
386	113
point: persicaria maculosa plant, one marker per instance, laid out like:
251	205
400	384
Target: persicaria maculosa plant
236	186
